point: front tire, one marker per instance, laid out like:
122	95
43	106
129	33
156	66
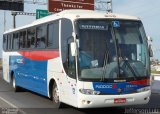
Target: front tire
55	97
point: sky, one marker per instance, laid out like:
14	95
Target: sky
147	10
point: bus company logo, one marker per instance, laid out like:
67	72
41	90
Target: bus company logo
131	86
114	86
20	61
102	86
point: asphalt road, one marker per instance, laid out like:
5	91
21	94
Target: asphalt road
27	102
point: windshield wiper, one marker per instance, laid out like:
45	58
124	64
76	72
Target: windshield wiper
130	67
125	61
105	62
118	55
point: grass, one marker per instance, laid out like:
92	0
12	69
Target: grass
155	72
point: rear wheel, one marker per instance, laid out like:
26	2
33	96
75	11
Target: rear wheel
55	97
16	88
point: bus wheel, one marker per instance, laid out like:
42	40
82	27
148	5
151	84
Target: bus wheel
55	96
16	88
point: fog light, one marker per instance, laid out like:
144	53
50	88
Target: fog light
85	102
88	102
146	98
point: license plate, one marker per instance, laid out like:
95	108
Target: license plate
119	100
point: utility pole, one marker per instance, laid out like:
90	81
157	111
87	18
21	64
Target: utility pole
14	18
4	21
109	6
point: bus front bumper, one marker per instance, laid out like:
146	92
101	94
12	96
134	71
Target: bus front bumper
98	101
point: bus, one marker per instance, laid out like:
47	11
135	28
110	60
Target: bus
86	59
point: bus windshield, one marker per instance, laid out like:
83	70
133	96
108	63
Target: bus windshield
112	49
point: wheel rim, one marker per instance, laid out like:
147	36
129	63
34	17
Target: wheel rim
56	95
14	83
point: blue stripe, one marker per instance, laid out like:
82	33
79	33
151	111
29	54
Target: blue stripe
30	74
114	88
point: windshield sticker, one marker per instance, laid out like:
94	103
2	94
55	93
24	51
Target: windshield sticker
93	27
94	63
116	24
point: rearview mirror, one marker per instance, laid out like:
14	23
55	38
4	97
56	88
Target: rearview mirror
73	49
150	51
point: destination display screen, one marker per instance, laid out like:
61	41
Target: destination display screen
93	26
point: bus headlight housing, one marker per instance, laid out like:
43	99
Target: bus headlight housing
89	92
143	89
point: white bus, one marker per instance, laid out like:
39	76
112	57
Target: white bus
82	58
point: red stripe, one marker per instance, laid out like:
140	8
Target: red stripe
141	82
39	55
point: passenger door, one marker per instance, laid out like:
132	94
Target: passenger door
69	65
71	85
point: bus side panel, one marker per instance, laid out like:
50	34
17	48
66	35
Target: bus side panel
5	63
30	70
66	85
55	72
30	74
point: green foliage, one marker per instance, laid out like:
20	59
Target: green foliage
155	72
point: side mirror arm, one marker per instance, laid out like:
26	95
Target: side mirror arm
150	51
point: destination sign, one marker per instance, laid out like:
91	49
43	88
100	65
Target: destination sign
93	27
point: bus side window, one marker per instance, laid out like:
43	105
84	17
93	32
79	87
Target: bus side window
12	42
66	38
9	41
31	38
53	35
41	36
4	42
15	41
22	39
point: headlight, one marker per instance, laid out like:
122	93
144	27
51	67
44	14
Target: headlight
143	89
89	92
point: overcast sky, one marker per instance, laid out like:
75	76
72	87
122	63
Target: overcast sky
147	10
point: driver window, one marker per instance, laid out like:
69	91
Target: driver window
66	38
71	64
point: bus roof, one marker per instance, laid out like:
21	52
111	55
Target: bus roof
76	14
